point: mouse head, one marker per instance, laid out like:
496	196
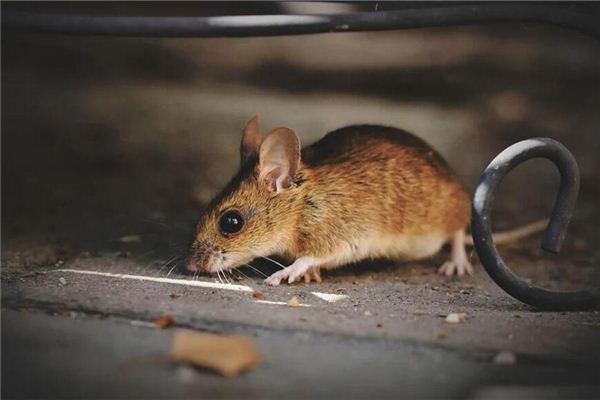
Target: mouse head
255	214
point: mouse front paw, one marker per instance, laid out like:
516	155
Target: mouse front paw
295	272
277	277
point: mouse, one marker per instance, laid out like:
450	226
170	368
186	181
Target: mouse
361	192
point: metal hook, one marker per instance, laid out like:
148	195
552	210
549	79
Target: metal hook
483	201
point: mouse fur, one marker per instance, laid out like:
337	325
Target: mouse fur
360	192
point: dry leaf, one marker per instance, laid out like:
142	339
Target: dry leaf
130	239
164	321
258	296
293	302
227	355
174	296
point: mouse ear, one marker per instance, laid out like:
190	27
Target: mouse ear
250	140
279	159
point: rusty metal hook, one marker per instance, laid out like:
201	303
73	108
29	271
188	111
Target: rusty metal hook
483	201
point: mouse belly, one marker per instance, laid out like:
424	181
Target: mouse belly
397	247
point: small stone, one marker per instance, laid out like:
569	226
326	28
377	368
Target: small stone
505	358
185	374
62	281
456	318
368	313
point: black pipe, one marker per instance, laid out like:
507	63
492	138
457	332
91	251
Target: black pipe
274	25
483	201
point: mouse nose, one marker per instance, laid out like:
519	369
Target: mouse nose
193	264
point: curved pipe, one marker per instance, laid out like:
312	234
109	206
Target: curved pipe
483	201
273	25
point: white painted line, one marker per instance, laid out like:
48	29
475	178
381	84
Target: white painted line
279	303
212	285
330	297
144	324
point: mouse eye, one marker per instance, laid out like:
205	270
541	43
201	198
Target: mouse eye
231	222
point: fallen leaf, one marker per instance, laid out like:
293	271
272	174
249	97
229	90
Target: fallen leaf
456	318
226	355
32	274
164	321
130	239
293	302
174	296
258	296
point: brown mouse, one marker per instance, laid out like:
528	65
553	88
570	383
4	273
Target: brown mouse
361	192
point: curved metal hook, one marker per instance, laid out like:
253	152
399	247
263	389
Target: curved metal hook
555	232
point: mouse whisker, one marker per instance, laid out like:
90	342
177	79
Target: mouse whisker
224	272
219	276
175	265
273	261
167	263
246	276
256	270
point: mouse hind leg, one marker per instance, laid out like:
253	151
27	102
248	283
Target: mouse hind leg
459	263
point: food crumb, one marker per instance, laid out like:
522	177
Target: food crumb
456	318
258	296
226	355
293	302
164	321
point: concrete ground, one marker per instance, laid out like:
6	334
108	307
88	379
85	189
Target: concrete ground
112	147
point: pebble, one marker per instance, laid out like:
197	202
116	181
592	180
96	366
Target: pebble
505	358
62	281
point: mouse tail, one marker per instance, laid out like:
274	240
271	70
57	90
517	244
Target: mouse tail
514	234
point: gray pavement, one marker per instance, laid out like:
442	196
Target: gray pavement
86	336
65	357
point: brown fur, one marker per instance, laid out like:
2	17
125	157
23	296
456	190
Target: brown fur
357	183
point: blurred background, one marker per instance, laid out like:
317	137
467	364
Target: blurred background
104	136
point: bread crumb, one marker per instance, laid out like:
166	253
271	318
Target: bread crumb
293	302
226	355
456	318
164	321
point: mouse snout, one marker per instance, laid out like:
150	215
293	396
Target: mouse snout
202	257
